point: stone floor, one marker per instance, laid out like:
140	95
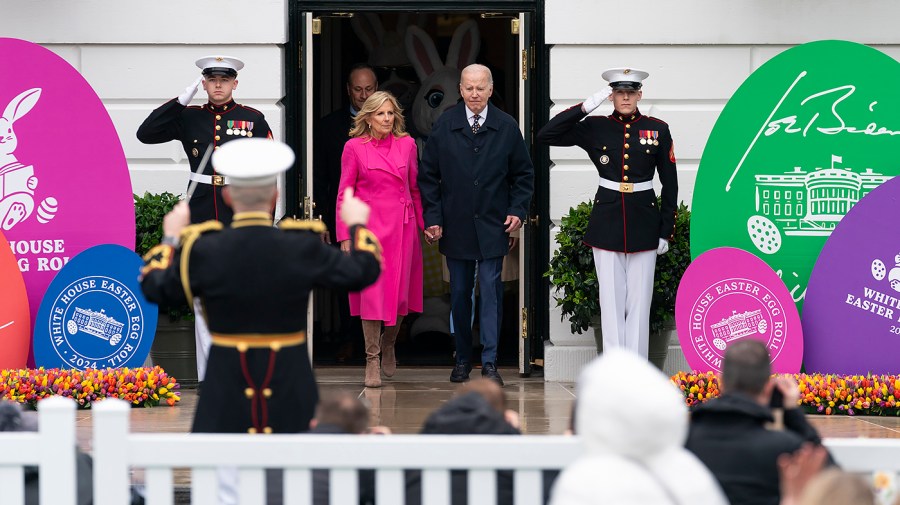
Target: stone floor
405	401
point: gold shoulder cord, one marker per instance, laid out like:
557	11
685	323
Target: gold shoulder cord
314	226
188	236
367	241
158	258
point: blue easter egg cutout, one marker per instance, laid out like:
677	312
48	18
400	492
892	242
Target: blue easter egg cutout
94	314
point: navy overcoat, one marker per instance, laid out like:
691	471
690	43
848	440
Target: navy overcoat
470	182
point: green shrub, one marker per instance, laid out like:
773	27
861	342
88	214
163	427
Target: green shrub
573	274
149	211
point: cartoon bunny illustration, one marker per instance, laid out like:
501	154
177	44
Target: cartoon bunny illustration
17	181
440	80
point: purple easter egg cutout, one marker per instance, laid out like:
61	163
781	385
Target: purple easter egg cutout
64	181
727	295
851	317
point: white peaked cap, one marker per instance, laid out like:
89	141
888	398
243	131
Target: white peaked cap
252	162
625	77
222	64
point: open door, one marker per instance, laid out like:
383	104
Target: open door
329	39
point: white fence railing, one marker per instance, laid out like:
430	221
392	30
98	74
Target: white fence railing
117	452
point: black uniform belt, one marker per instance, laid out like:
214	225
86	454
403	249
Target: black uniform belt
626	187
273	341
215	180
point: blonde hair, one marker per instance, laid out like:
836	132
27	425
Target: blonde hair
373	103
837	487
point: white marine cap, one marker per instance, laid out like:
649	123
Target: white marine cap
625	78
252	162
220	65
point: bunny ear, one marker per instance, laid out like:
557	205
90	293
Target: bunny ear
421	52
465	45
369	30
20	105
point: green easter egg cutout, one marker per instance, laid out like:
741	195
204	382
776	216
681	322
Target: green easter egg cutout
804	138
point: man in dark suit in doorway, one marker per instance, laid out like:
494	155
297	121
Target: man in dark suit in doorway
330	136
476	181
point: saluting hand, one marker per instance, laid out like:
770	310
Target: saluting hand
185	97
594	101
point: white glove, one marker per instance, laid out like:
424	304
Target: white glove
594	101
663	247
189	92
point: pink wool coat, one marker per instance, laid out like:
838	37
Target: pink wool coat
386	180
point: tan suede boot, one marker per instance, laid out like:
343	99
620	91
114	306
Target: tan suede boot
388	358
372	336
373	373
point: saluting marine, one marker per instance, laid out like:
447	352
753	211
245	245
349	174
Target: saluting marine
254	281
627	229
211	125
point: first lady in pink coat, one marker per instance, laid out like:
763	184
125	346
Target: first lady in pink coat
380	163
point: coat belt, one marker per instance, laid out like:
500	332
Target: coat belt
273	341
626	187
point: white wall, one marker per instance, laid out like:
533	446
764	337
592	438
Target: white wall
698	52
137	55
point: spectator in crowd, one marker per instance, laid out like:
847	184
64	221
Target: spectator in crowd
13	419
477	408
804	483
634	450
730	435
380	164
339	413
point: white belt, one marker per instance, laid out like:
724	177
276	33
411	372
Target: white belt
215	180
626	187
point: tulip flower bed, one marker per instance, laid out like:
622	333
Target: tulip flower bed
828	394
142	387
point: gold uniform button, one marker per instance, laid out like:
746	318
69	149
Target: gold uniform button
275	346
628	126
625	178
626	156
267	393
267	430
218	117
626	167
604	148
249	392
218	127
217	137
627	135
251	431
626	145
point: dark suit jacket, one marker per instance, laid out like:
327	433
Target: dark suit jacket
330	137
471	182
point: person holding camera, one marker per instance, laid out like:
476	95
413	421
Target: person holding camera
734	436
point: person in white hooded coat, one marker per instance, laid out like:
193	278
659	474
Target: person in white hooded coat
633	422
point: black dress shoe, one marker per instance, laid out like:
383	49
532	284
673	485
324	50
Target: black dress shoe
489	371
460	372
